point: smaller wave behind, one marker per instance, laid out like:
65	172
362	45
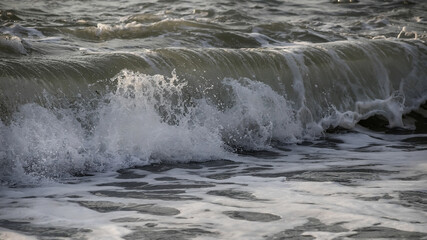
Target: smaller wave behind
16	40
13	45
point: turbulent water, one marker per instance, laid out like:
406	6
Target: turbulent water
214	120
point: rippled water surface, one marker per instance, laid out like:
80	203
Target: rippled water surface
213	120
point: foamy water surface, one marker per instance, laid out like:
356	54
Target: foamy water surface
213	120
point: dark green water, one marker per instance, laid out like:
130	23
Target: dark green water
213	120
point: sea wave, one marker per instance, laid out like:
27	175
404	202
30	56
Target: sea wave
317	76
146	119
71	117
151	118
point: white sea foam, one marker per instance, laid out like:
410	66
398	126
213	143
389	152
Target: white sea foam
8	235
142	120
391	108
146	119
106	29
152	118
128	130
375	201
259	115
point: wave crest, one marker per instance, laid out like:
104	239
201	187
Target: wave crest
145	119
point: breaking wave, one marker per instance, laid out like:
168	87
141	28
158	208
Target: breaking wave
71	117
